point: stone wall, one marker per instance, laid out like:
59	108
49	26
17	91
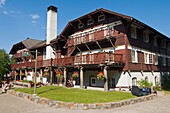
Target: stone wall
76	106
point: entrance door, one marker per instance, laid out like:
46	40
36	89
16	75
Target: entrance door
93	81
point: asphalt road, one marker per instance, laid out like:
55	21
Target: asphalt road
13	104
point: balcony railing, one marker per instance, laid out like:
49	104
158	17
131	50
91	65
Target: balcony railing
97	58
96	36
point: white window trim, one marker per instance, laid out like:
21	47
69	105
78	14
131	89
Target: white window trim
147	58
134	58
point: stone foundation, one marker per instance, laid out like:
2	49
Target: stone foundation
76	106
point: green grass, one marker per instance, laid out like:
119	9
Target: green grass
77	95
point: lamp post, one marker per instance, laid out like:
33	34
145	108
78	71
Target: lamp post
35	74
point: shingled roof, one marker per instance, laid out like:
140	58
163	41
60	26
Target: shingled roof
28	43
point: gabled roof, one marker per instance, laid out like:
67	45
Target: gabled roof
39	45
94	12
28	43
125	17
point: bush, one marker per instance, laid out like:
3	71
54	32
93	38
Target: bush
144	83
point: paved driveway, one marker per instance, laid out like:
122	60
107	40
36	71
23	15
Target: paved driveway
12	104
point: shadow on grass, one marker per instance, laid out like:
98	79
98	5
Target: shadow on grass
41	92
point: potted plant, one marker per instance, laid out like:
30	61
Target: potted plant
59	77
45	75
100	76
74	76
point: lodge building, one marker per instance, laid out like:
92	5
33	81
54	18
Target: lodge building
122	48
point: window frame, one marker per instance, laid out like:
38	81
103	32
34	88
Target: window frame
145	36
134	36
135	57
100	18
88	22
80	25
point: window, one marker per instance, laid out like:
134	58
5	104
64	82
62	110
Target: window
90	22
133	32
83	38
134	81
91	37
146	79
155	41
91	58
148	58
156	81
164	61
77	59
163	43
134	56
80	25
145	36
84	59
156	59
101	18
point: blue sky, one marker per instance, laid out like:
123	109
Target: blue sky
20	19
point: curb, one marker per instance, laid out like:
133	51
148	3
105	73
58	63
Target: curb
77	106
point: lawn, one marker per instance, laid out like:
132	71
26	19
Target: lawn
77	95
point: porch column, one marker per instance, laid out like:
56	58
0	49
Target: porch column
25	74
65	76
41	72
81	77
106	79
20	74
32	74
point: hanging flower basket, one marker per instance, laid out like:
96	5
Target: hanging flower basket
46	74
100	76
75	74
58	74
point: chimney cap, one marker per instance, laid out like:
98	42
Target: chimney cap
53	8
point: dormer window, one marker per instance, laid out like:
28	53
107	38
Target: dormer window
80	25
133	32
146	36
163	43
101	18
90	22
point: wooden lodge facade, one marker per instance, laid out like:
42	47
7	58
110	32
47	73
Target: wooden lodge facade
120	47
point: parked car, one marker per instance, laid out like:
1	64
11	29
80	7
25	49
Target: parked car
140	91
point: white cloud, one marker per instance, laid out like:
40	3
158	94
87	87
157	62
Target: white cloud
2	2
5	12
35	16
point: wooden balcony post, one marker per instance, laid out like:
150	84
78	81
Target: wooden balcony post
20	74
81	77
65	76
106	79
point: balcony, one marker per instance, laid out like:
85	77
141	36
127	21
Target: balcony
96	36
97	58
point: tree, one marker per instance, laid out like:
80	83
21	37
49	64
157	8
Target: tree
4	63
